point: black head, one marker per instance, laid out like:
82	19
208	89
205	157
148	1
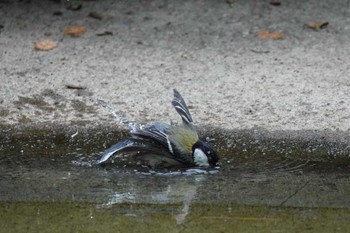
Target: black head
208	150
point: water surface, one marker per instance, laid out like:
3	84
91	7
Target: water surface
56	187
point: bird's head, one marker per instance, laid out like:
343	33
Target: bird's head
204	154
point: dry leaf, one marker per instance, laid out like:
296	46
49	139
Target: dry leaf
271	35
45	45
316	25
75	31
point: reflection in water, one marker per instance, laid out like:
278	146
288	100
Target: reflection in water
32	177
182	187
190	195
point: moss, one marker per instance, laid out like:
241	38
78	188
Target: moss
91	217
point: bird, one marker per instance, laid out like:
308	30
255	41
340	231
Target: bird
180	144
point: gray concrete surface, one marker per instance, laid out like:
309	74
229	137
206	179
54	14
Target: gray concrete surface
208	50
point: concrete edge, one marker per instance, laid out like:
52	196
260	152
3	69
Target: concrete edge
241	145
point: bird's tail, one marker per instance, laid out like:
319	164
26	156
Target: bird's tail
180	106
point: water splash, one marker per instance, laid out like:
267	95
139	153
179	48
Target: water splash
119	118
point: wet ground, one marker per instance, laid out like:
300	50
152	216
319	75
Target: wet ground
49	182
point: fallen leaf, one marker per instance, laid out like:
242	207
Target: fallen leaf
271	35
316	25
45	45
95	15
75	31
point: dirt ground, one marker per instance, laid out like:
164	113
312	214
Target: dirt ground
134	53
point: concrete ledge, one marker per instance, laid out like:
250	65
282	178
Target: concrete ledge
234	147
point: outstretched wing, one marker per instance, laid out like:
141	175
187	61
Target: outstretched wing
155	138
180	106
131	144
157	132
127	144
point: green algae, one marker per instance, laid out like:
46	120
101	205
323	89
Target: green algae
92	217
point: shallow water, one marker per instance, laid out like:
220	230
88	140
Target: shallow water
45	189
28	177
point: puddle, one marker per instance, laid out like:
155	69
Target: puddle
50	183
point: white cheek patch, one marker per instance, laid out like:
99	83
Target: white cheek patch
200	158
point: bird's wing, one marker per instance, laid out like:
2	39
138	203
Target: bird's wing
177	141
155	138
120	146
180	106
131	144
156	132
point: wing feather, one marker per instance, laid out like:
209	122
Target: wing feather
130	145
156	131
127	144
